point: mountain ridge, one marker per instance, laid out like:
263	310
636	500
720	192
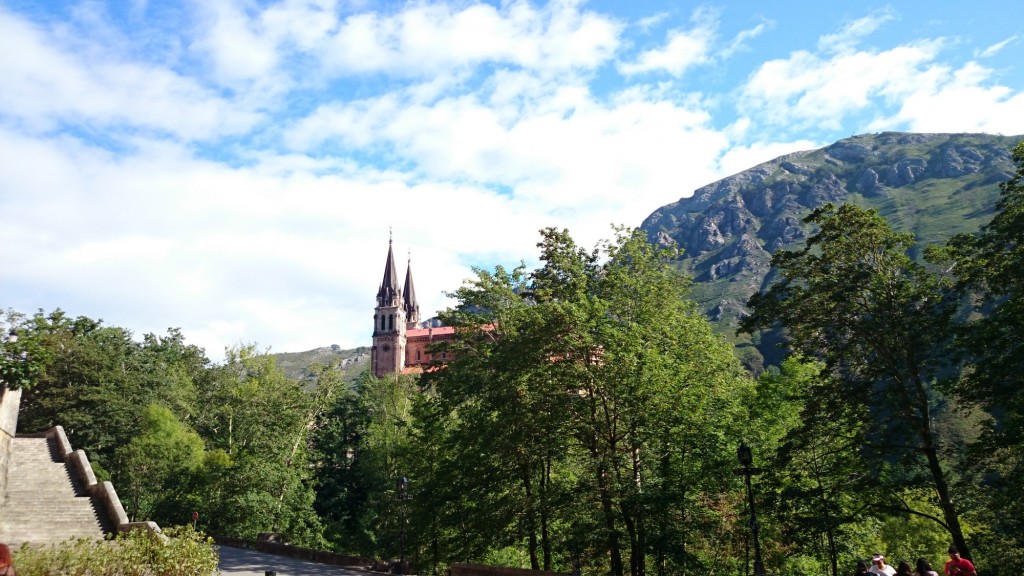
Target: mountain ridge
933	185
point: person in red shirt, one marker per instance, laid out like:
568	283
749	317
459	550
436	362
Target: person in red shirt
6	564
958	566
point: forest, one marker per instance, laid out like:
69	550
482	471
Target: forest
588	416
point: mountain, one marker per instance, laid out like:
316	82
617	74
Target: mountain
933	185
296	365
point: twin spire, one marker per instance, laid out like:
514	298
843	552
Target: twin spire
389	293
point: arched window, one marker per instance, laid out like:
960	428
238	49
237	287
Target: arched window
391	321
417	354
382	319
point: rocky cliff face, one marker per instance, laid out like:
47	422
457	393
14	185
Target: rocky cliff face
934	185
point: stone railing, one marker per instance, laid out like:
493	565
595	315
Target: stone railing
482	570
9	402
280	549
104	491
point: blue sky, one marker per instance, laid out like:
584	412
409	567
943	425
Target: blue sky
234	168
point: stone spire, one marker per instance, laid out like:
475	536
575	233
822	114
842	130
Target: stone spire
389	294
412	308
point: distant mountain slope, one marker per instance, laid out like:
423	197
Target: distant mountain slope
934	185
296	364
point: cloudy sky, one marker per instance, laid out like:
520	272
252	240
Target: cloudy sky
234	168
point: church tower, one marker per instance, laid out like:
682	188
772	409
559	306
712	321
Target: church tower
389	322
412	308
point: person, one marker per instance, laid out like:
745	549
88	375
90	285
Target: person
862	568
924	568
903	569
958	566
6	563
879	567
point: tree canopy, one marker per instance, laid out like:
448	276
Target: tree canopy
588	409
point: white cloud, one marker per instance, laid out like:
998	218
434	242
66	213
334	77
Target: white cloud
996	48
425	38
958	101
847	38
238	46
49	84
683	49
575	160
807	89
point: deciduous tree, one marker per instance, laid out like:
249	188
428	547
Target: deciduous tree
599	409
881	323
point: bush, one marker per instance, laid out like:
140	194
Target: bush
179	551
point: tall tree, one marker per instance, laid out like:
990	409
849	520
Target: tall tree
593	376
156	463
819	485
363	448
990	266
250	415
853	298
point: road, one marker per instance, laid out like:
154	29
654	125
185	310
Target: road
243	562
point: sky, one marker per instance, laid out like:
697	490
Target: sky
236	169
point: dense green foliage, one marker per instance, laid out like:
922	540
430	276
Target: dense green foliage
909	425
589	415
990	267
881	324
179	552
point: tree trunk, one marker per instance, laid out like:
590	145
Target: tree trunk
945	500
924	430
634	554
615	556
545	538
531	522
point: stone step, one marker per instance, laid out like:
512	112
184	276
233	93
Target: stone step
43	504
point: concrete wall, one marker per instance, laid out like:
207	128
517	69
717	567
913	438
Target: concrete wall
10	400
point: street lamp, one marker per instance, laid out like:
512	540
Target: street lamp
746	458
402	496
12	338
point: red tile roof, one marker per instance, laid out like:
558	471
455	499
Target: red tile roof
421	332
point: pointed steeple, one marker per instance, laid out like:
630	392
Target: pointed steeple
412	308
389	293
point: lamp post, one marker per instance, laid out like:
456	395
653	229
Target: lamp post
402	496
746	458
12	338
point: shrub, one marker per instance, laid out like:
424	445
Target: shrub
179	551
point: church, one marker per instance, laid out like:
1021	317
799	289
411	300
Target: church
400	340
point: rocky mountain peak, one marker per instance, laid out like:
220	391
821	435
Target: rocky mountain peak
933	185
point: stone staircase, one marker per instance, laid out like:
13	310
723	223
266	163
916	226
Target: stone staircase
45	503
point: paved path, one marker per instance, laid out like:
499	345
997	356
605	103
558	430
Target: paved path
244	562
